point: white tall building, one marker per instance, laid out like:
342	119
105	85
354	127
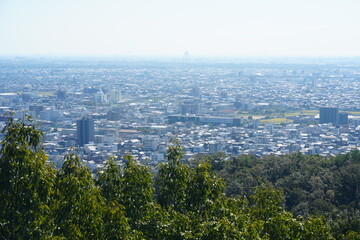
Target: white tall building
100	97
114	96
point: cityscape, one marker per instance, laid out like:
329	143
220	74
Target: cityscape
180	120
108	108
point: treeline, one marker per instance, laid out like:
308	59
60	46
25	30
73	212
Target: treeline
179	201
312	185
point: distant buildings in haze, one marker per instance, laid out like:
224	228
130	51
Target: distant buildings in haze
332	115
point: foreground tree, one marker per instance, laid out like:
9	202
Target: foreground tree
26	182
137	192
280	224
78	205
37	205
172	180
110	181
80	210
205	189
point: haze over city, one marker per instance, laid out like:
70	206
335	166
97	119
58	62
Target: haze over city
169	28
180	119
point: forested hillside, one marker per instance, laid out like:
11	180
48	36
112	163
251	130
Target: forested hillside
312	185
289	197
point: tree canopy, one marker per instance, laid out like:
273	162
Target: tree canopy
214	197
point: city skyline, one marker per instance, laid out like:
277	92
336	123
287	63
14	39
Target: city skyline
170	28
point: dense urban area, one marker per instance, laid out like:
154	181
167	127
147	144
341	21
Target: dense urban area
179	150
112	107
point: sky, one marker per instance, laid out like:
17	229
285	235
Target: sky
215	28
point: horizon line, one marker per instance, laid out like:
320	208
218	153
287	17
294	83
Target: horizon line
180	56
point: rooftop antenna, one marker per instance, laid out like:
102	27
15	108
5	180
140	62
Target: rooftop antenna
186	56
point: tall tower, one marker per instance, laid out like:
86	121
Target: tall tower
186	56
84	131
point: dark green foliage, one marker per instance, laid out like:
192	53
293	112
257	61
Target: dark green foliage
26	183
266	202
217	160
172	180
78	204
344	222
80	212
189	203
204	189
311	184
110	181
349	185
115	224
221	228
137	192
240	175
316	228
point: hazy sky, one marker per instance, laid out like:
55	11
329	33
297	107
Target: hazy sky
170	27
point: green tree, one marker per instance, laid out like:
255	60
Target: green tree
172	179
280	224
348	188
241	175
216	160
110	181
316	228
115	224
345	222
80	210
221	228
168	224
205	189
78	204
26	182
137	192
266	202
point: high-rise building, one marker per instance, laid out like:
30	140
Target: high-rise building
196	92
36	109
84	131
114	96
190	108
343	118
329	115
